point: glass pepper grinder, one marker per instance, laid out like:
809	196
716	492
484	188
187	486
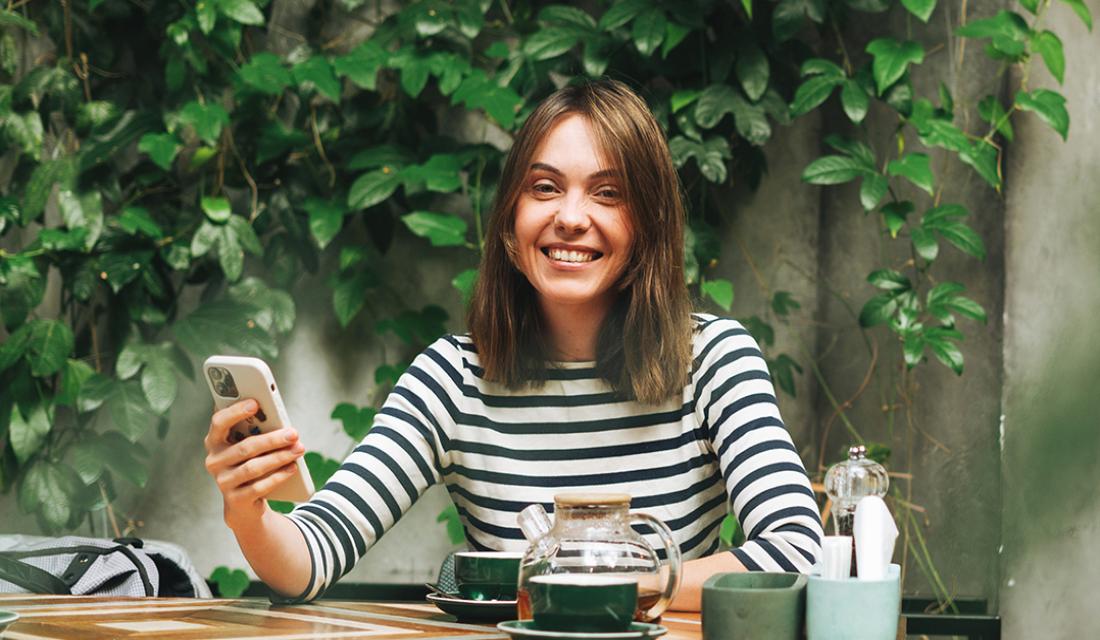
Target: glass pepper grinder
847	483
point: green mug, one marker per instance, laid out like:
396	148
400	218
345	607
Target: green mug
583	602
754	605
487	575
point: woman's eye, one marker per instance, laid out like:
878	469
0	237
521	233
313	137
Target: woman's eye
609	193
543	187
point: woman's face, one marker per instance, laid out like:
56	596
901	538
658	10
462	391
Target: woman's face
572	230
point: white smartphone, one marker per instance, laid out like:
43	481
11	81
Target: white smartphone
235	378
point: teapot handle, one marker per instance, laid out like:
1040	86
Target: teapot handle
672	560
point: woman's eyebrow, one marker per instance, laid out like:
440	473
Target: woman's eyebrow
603	173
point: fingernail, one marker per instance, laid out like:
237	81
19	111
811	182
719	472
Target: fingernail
298	448
253	405
291	435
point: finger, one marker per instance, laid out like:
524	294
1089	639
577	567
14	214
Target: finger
261	487
252	446
222	421
254	468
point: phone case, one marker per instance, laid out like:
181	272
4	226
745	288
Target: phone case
252	379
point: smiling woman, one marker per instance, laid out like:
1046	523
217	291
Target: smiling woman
584	371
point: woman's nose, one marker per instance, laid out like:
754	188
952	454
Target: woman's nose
571	217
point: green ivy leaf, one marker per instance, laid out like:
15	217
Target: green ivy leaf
649	30
622	12
982	156
730	527
872	189
1050	106
713	104
991	111
441	229
890	280
440	173
82	214
130	411
854	149
48	346
161	147
217	209
137	220
464	282
348	294
50	490
27	431
913	349
834	170
782	370
682	98
224	326
946	352
892	59
265	73
1049	47
963	237
1082	10
243	11
274	309
361	65
158	381
924	243
751	121
855	101
894	214
674	35
821	67
747	6
878	310
550	42
967	307
386	155
812	93
320	468
207	120
372	188
13	19
456	534
559	14
783	303
326	218
73	376
231	583
356	421
317	73
720	291
916	168
921	8
21	289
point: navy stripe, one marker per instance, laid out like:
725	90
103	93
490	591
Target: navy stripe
515	401
415	400
396	436
497	477
770	494
749	563
721	391
764	472
322	510
360	504
395	469
701	536
713	342
794	527
789	512
544	455
752	425
318	537
306	535
768	445
508	533
360	543
782	560
679	523
379	487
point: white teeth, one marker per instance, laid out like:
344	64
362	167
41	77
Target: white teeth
571	256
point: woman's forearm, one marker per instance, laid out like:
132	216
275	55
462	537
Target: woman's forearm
277	552
696	572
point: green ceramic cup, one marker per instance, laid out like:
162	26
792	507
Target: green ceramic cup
854	609
487	575
583	603
750	605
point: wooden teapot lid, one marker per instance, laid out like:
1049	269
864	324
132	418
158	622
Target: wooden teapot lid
591	499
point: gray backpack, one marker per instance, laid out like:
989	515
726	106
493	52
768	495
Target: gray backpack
92	566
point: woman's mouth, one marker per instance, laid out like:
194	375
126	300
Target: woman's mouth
571	255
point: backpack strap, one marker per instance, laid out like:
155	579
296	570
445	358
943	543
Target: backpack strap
31	577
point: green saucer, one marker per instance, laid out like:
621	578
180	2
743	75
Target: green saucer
6	618
525	629
480	610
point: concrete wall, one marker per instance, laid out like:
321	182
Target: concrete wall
1051	433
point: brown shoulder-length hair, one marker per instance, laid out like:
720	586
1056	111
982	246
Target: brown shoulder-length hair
644	345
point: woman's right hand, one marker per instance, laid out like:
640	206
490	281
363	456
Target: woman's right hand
247	471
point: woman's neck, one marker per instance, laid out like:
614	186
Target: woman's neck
574	330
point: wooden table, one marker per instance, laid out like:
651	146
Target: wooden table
92	618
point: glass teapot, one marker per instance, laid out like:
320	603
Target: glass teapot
591	533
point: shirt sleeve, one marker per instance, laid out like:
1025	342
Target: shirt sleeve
398	459
765	479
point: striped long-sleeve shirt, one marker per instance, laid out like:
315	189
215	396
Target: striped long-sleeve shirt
719	445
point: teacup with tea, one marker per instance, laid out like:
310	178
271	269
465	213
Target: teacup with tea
583	602
487	575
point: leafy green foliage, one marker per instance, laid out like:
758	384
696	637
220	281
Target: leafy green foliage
231	583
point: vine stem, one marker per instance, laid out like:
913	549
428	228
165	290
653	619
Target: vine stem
247	176
320	147
110	511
